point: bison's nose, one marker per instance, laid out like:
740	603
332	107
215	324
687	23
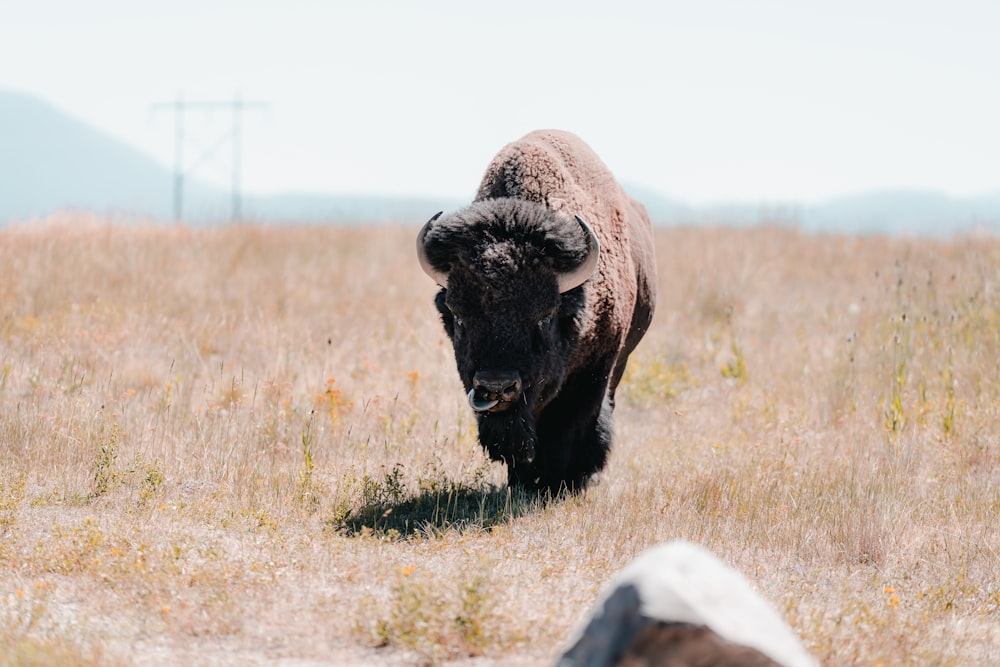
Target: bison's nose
492	390
501	385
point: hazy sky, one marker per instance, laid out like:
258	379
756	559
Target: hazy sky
704	101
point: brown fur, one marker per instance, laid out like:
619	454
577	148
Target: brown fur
558	170
679	645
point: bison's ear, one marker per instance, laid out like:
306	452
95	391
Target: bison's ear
440	277
579	275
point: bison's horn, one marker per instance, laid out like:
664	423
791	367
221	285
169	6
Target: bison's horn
579	275
440	277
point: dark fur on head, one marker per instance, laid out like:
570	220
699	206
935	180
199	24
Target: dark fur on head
532	233
503	310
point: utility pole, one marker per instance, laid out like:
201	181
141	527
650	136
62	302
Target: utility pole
178	156
235	137
237	156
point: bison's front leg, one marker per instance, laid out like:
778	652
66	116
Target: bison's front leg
573	437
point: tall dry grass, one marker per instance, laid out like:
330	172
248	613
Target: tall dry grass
248	445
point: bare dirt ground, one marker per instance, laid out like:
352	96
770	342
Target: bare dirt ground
248	445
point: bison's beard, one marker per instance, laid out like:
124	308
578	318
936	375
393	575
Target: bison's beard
510	435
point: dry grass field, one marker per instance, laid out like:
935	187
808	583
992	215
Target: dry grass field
249	446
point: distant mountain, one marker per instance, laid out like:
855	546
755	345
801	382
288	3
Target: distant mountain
661	209
50	161
913	212
345	209
904	212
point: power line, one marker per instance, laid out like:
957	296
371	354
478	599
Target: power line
180	107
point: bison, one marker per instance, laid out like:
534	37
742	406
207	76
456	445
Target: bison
547	285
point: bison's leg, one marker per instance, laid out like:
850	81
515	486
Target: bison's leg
579	453
574	435
642	316
565	462
522	475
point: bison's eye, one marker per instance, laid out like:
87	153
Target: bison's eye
545	323
455	319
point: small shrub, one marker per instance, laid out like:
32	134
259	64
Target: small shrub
439	619
649	382
151	482
103	469
736	368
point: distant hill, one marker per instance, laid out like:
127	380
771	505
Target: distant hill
660	208
50	161
904	212
913	212
345	209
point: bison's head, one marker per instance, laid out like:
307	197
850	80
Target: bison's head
510	272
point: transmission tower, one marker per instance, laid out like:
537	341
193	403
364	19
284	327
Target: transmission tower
181	107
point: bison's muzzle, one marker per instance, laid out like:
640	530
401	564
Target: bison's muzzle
494	391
